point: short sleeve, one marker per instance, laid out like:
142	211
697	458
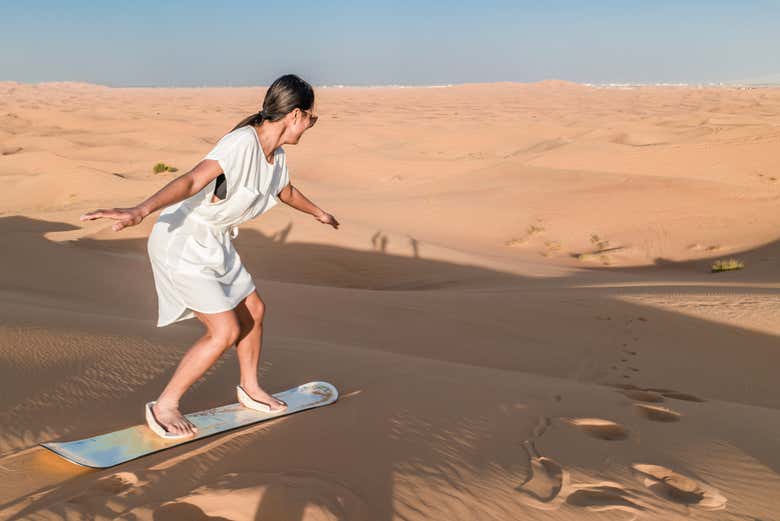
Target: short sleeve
222	152
233	153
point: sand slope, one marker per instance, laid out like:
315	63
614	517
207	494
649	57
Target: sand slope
518	308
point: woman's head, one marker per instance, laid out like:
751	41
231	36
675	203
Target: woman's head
288	102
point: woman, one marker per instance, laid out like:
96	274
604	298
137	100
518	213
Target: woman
197	271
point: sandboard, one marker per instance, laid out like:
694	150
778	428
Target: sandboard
113	448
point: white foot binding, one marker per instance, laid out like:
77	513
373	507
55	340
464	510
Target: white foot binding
248	401
157	427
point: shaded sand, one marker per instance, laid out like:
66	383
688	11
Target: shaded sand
517	309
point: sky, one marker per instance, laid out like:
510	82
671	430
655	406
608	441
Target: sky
398	42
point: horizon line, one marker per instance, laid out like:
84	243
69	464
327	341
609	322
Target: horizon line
735	84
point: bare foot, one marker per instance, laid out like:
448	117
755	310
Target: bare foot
172	420
256	393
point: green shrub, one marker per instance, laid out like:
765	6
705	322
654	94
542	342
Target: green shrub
726	265
162	167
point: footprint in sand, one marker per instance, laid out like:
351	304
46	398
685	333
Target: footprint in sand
598	428
669	393
93	499
602	497
654	394
657	413
114	484
530	232
182	510
10	151
643	396
545	480
541	426
675	487
625	386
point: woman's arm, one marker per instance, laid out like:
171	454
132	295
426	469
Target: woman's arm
184	186
293	197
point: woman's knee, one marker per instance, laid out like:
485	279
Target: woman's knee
251	312
257	310
227	336
226	330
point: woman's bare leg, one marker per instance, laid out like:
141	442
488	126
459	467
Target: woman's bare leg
250	312
222	331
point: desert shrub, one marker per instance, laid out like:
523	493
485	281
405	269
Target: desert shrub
162	167
726	265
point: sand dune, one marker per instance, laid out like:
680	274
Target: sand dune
518	309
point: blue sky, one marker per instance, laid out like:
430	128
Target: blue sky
196	43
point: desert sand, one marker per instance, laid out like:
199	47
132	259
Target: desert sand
518	308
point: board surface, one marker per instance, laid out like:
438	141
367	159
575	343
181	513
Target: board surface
113	448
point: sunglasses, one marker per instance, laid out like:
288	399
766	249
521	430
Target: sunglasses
312	118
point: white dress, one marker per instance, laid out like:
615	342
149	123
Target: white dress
194	263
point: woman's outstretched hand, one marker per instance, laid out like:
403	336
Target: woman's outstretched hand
124	216
327	218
